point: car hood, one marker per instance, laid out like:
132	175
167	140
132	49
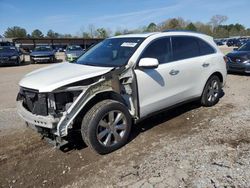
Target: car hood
238	54
52	77
44	53
7	54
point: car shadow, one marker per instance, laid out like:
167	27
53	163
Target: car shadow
76	142
162	117
238	73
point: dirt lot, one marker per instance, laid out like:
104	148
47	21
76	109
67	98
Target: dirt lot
190	146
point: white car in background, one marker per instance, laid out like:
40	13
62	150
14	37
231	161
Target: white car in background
121	81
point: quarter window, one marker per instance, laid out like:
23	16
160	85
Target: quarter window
205	48
159	49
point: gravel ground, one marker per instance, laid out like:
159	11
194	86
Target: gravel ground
190	146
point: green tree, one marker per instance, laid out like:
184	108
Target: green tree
52	34
37	33
152	27
102	33
191	27
16	31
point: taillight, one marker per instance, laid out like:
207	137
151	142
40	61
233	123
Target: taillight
225	59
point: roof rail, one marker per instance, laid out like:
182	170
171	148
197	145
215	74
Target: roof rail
178	30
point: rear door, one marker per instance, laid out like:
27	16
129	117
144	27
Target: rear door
175	78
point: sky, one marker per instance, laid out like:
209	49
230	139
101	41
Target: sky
74	16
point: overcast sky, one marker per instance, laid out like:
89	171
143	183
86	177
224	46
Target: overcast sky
72	16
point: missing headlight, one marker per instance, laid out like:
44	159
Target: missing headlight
64	99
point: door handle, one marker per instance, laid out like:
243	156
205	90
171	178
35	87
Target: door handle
174	72
205	65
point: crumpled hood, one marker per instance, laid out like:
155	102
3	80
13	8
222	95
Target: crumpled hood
42	53
52	77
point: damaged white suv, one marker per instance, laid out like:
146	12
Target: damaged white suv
118	82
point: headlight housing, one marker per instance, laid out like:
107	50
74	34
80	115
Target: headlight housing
14	57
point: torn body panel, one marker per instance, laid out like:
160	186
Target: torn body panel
111	82
65	104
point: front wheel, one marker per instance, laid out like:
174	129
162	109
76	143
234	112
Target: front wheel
106	126
212	92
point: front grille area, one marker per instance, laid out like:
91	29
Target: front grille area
4	58
33	101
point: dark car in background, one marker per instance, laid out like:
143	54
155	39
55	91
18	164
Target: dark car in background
43	54
10	55
239	59
232	42
73	52
219	42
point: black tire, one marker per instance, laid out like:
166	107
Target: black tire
91	125
18	62
209	90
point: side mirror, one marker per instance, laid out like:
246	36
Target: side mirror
148	63
235	49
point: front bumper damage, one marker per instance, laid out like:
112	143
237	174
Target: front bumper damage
37	120
57	126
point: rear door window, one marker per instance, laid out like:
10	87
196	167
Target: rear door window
185	47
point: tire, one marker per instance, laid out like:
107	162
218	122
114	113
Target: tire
18	62
53	60
212	92
100	132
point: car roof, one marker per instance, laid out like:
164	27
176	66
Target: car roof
164	33
139	35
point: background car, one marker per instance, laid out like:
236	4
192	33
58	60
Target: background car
239	59
232	42
73	52
43	54
10	55
218	42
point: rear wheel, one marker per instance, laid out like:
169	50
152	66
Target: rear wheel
212	92
106	126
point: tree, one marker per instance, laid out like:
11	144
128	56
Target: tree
86	35
92	31
191	27
37	33
16	31
67	35
152	27
217	20
52	34
102	33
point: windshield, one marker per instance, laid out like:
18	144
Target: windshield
245	47
114	52
74	48
7	49
42	48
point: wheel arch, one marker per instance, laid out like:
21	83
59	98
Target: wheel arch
220	76
95	99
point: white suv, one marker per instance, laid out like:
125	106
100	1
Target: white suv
118	82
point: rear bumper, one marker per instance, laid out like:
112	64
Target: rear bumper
238	67
41	59
40	121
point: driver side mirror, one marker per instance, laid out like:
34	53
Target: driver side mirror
148	63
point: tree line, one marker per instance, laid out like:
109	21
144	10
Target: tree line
215	27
